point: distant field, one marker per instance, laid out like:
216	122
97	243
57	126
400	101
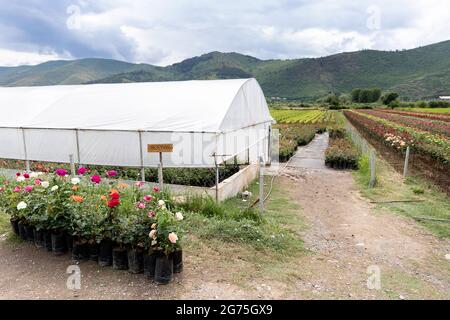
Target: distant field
302	116
432	110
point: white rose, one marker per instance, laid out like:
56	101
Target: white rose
34	175
22	205
161	203
54	188
152	234
20	179
45	184
179	216
75	181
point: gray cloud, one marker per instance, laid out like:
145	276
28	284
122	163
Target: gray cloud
163	32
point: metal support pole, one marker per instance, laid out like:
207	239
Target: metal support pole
160	172
261	185
372	169
405	168
27	162
269	146
217	177
247	146
141	151
72	165
78	147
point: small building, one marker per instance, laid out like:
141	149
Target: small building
444	98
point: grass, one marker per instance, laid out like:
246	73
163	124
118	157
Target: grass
234	222
390	186
4	223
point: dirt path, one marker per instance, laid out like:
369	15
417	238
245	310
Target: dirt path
346	231
345	235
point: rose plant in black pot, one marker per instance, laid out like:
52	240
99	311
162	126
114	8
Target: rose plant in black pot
58	210
85	223
165	237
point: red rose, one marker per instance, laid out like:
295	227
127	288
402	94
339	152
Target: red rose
26	176
114	196
113	203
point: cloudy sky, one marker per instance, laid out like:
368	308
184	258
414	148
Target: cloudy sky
166	31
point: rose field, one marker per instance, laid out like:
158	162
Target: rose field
427	135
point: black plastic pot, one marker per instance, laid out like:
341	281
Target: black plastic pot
163	269
93	249
30	233
177	257
105	253
48	240
80	251
39	238
150	263
59	243
15	226
22	231
135	260
69	242
120	259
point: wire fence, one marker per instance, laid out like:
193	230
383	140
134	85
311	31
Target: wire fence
366	149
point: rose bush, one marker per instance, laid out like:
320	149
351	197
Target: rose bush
91	209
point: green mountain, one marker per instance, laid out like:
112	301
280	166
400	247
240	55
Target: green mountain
66	72
416	74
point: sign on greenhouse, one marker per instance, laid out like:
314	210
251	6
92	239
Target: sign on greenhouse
158	148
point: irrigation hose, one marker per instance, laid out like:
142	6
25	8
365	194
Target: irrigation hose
271	183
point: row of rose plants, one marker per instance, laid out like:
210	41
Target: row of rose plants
128	226
432	126
341	152
200	177
399	136
422	115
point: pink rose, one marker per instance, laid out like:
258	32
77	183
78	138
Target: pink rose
155	189
2	189
96	179
141	205
151	214
148	198
17	189
38	182
139	184
61	172
111	173
173	237
29	188
81	171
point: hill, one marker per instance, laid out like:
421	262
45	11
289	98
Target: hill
416	74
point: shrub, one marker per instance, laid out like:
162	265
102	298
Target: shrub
439	104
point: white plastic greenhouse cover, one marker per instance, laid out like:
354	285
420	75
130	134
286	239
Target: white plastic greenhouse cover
112	124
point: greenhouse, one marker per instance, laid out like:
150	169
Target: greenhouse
205	123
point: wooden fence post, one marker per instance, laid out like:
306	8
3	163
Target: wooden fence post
372	169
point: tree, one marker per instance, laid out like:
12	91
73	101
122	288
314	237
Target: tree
367	95
389	97
375	94
355	94
332	100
